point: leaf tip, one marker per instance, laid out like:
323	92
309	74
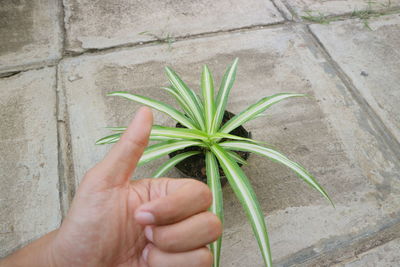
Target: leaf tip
115	93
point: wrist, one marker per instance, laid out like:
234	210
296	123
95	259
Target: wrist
39	253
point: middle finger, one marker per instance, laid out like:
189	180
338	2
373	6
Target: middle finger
192	233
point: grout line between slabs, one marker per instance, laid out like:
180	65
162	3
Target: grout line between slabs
66	176
71	54
384	133
62	27
294	15
139	44
344	249
369	241
279	8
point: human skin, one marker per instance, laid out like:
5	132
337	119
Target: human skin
117	222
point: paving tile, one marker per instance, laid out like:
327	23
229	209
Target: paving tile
29	197
386	255
371	59
339	7
328	133
30	33
127	19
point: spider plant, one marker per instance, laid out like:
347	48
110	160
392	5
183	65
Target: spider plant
202	119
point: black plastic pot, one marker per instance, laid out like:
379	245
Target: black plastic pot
194	166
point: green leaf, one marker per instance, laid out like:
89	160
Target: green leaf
167	109
236	157
231	136
158	150
158	133
117	129
223	94
253	110
278	157
172	162
163	138
181	133
181	103
207	87
188	96
110	139
214	182
244	192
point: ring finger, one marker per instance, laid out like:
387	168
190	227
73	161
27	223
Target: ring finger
155	257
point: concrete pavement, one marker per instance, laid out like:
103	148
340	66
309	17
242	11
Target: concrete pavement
347	134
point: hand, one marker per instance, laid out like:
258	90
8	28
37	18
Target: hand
150	222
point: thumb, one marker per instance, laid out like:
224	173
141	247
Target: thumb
121	161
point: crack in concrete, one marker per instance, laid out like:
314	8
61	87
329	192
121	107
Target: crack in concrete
26	68
9	74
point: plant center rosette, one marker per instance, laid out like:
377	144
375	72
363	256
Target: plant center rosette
195	166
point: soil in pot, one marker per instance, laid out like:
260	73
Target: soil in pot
194	167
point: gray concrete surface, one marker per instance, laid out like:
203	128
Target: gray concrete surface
125	21
30	33
345	134
29	197
272	61
370	57
386	255
339	7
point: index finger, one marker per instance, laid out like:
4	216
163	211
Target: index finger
184	198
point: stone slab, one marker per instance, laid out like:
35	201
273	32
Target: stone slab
386	255
29	197
328	133
126	19
371	59
339	7
30	33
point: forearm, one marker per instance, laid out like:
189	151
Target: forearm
35	254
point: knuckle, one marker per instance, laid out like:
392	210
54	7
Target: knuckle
205	258
214	226
205	194
136	142
163	239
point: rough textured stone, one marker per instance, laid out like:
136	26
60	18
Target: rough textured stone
29	201
386	255
30	33
127	19
339	7
328	133
370	57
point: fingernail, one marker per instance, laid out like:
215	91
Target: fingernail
145	253
145	217
148	232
